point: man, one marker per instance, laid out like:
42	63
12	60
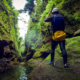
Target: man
57	23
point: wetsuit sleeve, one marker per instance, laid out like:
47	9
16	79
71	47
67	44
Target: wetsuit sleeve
48	19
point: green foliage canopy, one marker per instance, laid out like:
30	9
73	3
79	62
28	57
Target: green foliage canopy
29	6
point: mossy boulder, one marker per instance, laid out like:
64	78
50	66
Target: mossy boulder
46	47
41	53
44	50
29	54
46	39
44	71
35	62
37	55
57	72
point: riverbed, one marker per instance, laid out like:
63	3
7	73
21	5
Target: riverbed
16	72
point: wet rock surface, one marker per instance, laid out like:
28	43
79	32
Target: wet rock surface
44	71
4	65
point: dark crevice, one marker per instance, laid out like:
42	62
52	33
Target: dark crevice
76	35
69	35
72	35
31	55
3	43
44	54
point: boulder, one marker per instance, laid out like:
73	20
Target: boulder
44	71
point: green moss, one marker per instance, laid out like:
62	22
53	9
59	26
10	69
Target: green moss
35	62
57	71
28	53
57	57
70	10
46	39
72	23
46	47
37	55
35	59
73	50
8	24
73	42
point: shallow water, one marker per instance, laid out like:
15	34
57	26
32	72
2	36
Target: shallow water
17	72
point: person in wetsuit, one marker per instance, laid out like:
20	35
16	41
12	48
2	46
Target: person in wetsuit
57	23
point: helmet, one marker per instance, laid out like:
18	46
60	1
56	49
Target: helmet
55	10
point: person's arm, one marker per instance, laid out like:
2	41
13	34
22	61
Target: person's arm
48	19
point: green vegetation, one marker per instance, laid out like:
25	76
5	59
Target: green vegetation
69	9
28	7
37	40
9	31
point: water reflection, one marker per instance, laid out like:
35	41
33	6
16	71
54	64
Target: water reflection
18	72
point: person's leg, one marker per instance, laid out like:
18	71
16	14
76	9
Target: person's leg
53	46
64	54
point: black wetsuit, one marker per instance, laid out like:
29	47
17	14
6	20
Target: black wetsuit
55	43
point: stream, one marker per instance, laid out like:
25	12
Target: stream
17	72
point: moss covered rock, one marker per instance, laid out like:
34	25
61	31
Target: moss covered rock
47	72
35	62
37	55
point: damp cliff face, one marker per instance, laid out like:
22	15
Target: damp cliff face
8	30
39	32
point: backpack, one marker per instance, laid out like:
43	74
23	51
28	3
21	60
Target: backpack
58	22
